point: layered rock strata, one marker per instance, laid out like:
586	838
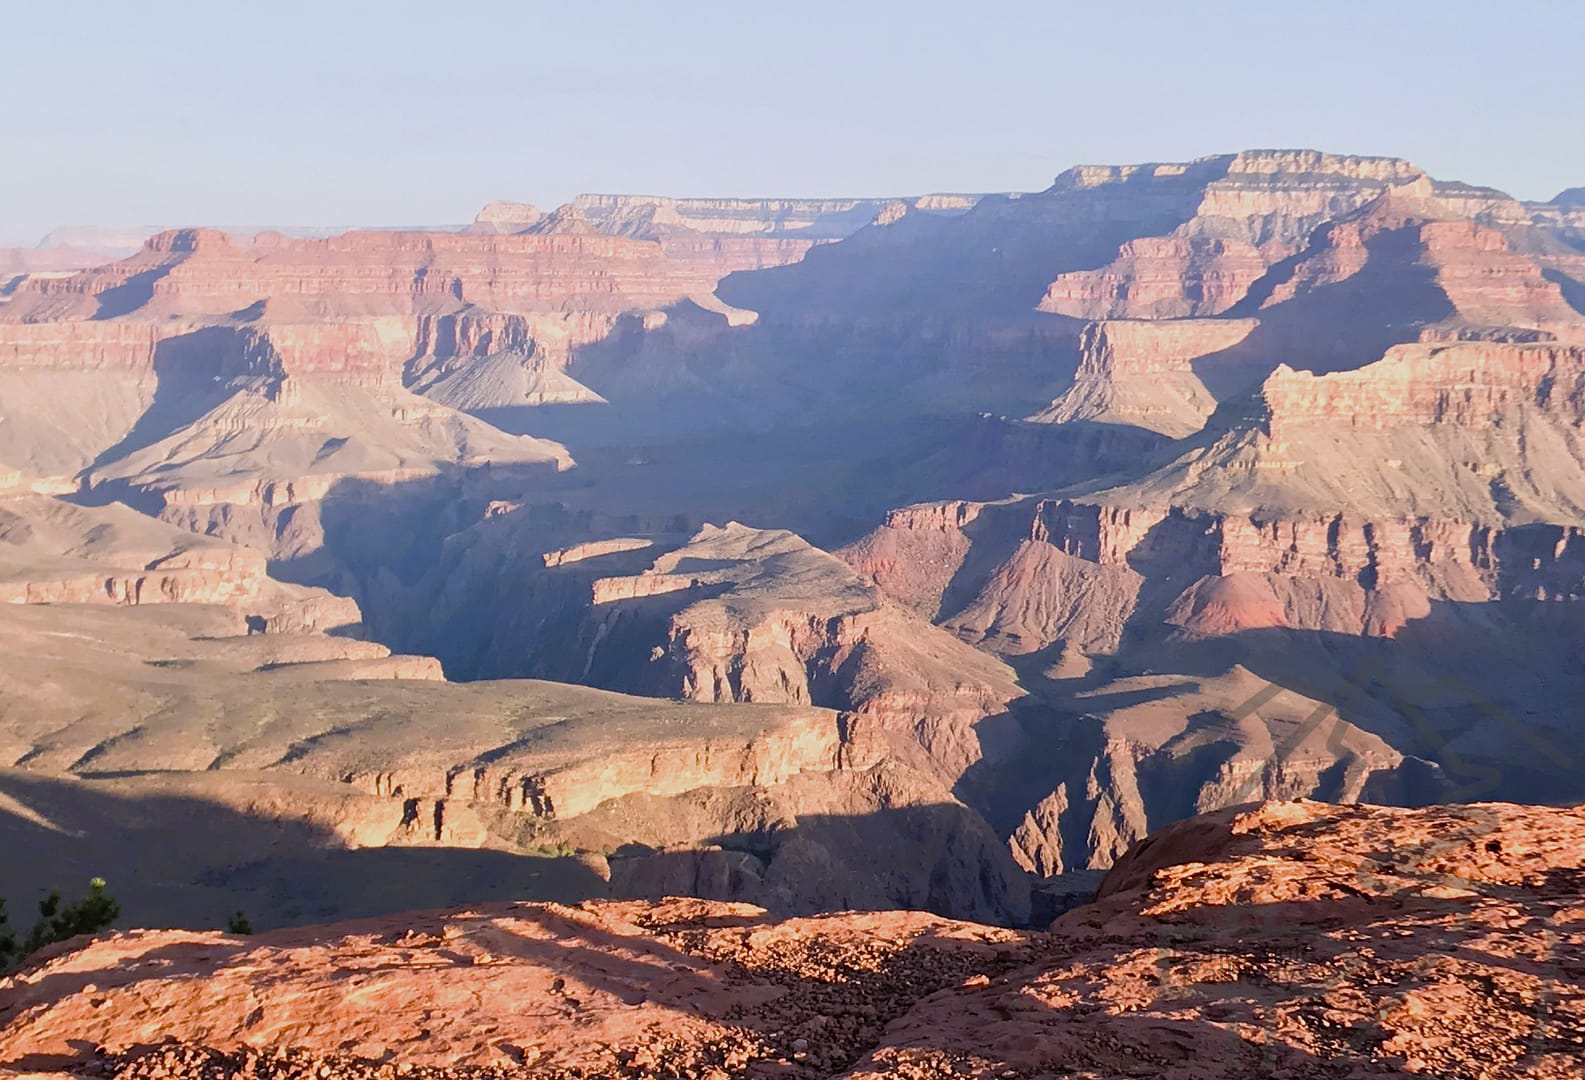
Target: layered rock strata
311	749
53	552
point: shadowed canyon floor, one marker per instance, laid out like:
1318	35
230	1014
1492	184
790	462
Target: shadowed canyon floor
1285	940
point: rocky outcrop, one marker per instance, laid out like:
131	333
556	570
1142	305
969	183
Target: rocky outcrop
1360	942
1472	385
708	757
1462	560
593	549
1095	602
662	997
1405	260
399	308
1287	902
1412	257
1041	595
915	553
54	552
1157	375
98	346
1482	428
1273	195
1053	566
407	668
197	272
1256	208
506	217
749	615
1304	415
1161	277
1339	257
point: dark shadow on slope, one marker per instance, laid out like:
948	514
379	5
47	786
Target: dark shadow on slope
1339	326
698	374
193	374
130	295
1056	749
1573	289
997	258
1479	699
939	857
453	566
1486	692
175	858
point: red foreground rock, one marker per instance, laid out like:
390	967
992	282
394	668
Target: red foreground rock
1289	940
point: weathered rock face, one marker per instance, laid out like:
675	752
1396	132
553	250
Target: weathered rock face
1272	198
1024	555
1362	942
726	614
1155	375
204	371
1302	416
746	615
1402	260
1040	595
1256	209
479	320
197	272
913	555
1472	385
489	319
1113	597
1411	257
1161	278
52	552
92	345
1060	588
1483	431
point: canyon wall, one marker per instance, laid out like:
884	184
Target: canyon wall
398	299
1470	385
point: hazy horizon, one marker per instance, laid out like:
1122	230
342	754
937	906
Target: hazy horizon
395	114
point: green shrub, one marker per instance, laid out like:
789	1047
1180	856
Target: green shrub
239	924
89	915
8	940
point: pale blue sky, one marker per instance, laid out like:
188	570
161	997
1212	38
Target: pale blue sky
124	112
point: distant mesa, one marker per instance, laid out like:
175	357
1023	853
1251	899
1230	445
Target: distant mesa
505	217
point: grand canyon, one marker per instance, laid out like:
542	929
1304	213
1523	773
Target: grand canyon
1129	628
